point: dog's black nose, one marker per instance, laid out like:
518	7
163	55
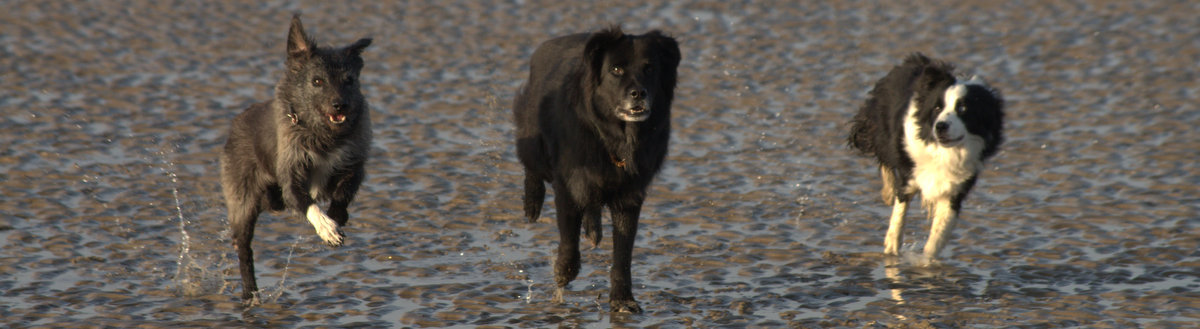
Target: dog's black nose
338	106
637	93
941	127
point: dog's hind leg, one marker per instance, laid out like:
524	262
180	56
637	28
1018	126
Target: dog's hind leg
591	226
535	195
897	194
894	237
888	192
242	217
273	200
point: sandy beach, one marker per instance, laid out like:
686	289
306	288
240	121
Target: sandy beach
115	112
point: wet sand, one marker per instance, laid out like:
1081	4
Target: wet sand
115	113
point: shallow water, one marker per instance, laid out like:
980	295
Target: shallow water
114	114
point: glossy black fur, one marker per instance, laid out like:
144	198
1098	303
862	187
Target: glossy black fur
570	135
275	148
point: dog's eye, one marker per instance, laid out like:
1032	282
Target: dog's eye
317	82
618	71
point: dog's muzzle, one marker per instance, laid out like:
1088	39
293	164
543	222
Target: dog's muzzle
636	105
941	131
634	109
337	116
634	113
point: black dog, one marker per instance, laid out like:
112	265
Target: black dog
309	144
930	133
594	121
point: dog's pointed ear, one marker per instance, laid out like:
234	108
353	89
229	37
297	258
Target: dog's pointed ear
593	51
917	59
357	47
298	44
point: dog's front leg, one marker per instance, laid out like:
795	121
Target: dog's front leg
944	213
625	224
570	216
343	188
296	195
944	217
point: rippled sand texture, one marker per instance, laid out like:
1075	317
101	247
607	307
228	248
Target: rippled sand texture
114	114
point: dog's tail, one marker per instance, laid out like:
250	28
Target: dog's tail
861	134
591	226
535	194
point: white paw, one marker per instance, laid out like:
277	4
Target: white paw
325	226
558	295
891	250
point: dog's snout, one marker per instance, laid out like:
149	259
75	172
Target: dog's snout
637	93
339	105
941	127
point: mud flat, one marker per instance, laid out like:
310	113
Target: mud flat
115	112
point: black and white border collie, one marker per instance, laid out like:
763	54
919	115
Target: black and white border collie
930	132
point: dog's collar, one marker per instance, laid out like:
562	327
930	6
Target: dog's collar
620	163
292	115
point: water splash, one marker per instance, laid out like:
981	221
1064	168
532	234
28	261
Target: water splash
192	277
805	187
185	244
496	147
272	295
185	261
528	298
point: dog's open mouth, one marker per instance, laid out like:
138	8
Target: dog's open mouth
634	113
336	118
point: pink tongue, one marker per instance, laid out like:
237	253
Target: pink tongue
336	118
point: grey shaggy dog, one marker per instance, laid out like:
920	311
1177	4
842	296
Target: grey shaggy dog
307	145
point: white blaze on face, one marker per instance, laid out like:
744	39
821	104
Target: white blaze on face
949	115
939	166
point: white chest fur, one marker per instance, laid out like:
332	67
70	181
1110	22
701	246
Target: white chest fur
939	169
